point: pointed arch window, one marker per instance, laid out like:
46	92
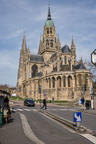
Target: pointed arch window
69	81
53	82
34	70
64	81
49	83
59	82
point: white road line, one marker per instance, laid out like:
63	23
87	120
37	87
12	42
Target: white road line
47	109
61	109
20	109
28	131
27	109
89	137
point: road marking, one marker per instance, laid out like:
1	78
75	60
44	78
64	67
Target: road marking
47	109
28	131
89	137
27	109
20	109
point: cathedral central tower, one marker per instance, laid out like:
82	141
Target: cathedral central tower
48	42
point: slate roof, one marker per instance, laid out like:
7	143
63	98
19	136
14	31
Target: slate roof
80	66
65	49
36	58
53	55
40	74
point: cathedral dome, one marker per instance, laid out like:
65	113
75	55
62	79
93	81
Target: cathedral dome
49	23
65	49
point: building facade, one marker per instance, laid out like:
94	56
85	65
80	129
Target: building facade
54	72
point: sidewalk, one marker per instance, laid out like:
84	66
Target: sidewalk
12	133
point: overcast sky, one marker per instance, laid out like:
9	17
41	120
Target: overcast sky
71	18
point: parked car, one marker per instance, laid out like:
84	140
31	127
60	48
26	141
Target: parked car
29	102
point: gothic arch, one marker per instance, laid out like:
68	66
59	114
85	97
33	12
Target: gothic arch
69	81
64	81
53	82
58	81
34	70
49	82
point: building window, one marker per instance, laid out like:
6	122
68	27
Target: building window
59	82
34	70
53	82
69	81
64	81
49	83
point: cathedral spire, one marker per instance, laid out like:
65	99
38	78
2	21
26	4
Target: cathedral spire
72	44
24	47
49	14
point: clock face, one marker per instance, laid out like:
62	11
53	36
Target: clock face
93	57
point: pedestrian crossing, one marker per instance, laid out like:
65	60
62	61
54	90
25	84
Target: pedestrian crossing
55	109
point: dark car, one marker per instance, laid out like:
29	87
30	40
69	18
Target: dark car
29	102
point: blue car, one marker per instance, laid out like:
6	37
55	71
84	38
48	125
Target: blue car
29	102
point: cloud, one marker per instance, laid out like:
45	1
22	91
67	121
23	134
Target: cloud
12	35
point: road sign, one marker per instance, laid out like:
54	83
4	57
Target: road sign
77	116
93	57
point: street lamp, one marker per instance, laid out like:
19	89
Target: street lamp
93	57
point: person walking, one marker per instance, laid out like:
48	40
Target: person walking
44	104
83	103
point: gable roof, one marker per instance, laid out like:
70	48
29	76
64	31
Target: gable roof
80	66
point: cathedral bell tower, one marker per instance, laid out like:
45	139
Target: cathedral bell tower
48	42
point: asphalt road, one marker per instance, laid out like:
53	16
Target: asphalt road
29	126
88	120
50	132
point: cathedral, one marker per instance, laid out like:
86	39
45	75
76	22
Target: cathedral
54	71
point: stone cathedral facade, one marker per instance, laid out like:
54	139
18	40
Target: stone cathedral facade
54	70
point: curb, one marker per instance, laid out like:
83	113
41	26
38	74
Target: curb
68	123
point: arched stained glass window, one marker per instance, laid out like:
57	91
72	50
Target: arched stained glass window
34	70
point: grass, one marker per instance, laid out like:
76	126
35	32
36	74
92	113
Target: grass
16	98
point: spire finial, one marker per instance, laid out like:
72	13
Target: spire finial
49	13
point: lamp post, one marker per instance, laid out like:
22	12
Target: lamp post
39	90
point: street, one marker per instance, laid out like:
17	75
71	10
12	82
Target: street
29	126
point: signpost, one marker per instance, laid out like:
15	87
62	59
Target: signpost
77	117
93	57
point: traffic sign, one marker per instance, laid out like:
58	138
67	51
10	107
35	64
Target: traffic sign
77	116
93	57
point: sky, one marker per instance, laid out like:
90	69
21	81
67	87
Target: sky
71	18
